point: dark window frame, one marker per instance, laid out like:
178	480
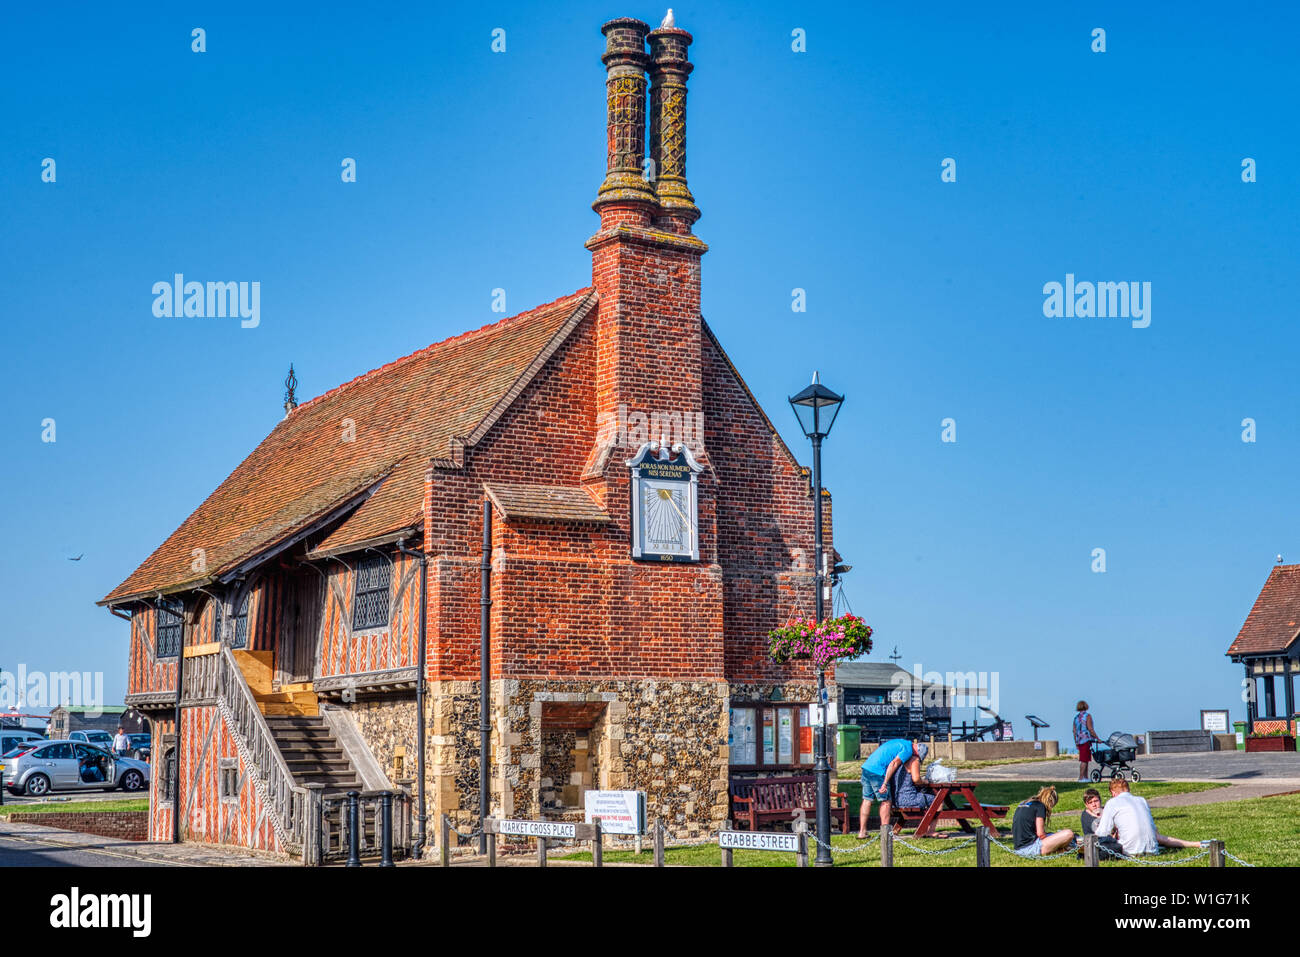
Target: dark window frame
165	784
372	590
169	618
240	637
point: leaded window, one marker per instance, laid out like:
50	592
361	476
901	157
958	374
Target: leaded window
239	639
168	783
371	595
170	623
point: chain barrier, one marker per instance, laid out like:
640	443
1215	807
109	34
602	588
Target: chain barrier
622	842
1072	849
841	850
946	850
1173	863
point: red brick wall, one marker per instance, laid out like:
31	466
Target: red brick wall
128	825
568	601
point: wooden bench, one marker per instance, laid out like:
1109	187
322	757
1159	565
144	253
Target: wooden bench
756	800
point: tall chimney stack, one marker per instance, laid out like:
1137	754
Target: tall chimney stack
669	69
626	196
645	262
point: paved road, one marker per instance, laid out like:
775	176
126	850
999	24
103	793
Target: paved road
31	851
1236	766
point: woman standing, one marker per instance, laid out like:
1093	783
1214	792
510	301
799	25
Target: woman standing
1084	735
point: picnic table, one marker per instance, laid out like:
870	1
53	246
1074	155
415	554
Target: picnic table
944	808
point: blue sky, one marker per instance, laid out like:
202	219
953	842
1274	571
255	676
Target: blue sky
818	170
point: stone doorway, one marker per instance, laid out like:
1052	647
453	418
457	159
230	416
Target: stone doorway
572	734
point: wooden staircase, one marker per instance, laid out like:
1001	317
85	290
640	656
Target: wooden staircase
291	700
312	753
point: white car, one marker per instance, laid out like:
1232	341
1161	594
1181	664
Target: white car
37	768
100	739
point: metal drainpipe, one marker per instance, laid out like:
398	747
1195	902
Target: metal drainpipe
485	672
421	817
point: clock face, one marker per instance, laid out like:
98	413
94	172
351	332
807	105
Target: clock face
666	520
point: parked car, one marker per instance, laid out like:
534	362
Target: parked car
11	738
101	739
141	746
37	768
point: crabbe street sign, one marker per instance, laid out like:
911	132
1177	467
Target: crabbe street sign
758	841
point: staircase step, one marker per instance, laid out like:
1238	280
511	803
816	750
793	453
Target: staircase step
331	781
298	752
331	765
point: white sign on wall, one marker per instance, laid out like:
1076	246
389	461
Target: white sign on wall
620	812
1214	721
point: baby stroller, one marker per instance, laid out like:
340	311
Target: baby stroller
1116	753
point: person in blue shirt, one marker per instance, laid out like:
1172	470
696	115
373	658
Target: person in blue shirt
877	771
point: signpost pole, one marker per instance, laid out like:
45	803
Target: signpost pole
596	843
541	852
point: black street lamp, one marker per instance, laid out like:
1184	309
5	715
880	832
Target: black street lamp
816	408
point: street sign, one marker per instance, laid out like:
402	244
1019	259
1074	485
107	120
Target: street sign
537	829
817	715
758	841
825	695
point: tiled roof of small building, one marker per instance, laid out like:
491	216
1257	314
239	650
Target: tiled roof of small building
1274	621
552	503
314	464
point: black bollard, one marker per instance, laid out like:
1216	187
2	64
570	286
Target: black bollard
386	824
354	829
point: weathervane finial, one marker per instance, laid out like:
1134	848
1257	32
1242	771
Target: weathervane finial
290	384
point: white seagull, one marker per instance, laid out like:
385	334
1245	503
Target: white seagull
668	23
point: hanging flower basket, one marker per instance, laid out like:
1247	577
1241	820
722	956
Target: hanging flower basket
805	640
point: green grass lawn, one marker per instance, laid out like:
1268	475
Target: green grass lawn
77	807
1261	831
1013	792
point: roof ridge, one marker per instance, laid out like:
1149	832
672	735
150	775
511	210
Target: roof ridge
586	290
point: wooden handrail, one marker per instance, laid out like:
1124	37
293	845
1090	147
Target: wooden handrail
288	801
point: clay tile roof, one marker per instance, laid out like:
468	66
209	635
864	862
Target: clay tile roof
548	503
1274	622
402	415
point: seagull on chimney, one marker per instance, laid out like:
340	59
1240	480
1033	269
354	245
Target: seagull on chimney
669	22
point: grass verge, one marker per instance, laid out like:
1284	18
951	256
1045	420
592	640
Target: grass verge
1261	831
76	807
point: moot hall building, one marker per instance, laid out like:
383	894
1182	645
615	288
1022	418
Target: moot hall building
589	486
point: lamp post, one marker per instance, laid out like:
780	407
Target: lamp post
816	408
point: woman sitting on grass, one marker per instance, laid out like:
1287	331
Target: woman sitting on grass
1029	826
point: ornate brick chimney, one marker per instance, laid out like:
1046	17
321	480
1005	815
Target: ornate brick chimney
669	69
626	195
645	261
